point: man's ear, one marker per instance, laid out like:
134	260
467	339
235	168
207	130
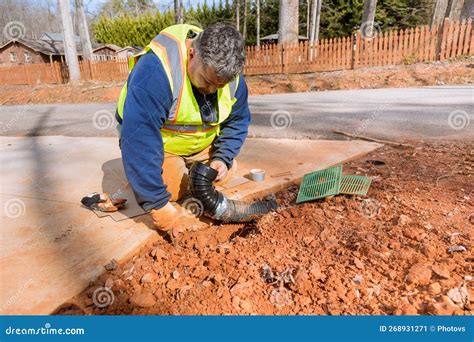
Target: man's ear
191	54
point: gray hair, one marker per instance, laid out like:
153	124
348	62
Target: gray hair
221	47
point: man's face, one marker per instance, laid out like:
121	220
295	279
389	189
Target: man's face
202	76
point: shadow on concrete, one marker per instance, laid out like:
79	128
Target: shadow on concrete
115	183
51	220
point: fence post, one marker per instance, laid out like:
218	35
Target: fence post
282	59
353	49
454	48
462	31
357	49
91	72
57	69
26	74
468	39
442	34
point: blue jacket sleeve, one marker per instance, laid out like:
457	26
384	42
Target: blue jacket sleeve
145	110
234	129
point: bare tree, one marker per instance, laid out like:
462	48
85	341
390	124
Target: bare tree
27	19
178	11
439	12
308	15
69	43
368	17
456	9
237	14
83	31
244	29
288	22
257	24
315	20
468	9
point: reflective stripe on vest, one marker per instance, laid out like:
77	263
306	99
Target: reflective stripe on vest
172	53
184	132
174	59
187	128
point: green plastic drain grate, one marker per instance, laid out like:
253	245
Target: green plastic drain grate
355	185
320	184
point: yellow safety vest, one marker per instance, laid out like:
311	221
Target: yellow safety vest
184	133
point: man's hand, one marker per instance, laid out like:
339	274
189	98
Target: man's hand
173	221
165	218
221	168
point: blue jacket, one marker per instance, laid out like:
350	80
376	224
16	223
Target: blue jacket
146	109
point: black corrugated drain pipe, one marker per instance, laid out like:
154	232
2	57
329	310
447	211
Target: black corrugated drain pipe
216	204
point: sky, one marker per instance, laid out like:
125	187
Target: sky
95	5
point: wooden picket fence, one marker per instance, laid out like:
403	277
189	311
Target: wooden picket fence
114	70
33	74
420	44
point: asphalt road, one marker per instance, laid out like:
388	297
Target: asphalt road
428	113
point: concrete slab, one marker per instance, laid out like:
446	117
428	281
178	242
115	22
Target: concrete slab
286	161
51	247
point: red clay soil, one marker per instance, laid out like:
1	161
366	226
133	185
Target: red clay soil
432	74
404	249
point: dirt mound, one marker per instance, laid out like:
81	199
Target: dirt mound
404	249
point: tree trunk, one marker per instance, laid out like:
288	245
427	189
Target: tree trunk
237	14
312	25
178	11
468	9
439	12
315	20
83	31
69	43
244	29
308	18
288	22
318	20
455	10
368	17
257	24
